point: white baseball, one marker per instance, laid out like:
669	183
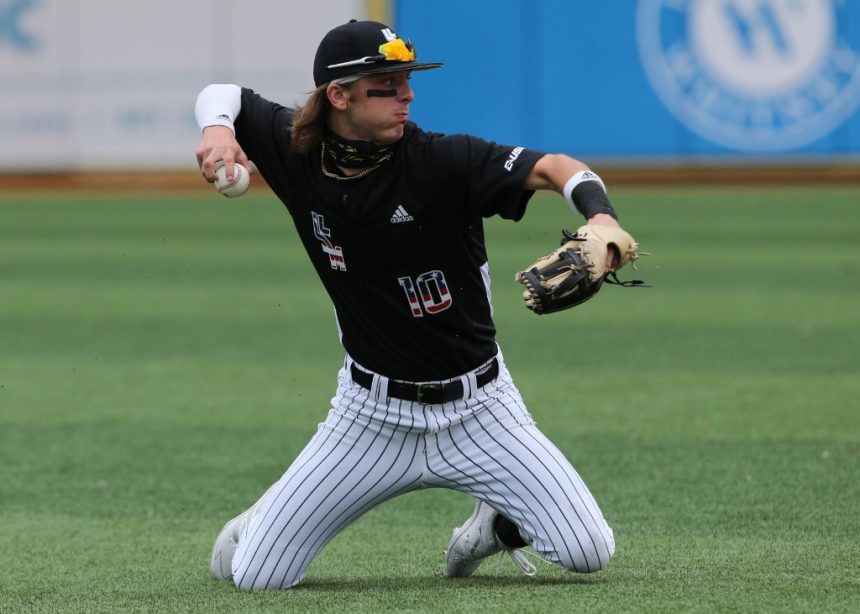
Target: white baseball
236	187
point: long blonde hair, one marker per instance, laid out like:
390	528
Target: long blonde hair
310	120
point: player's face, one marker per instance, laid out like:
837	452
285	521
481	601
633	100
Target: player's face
379	107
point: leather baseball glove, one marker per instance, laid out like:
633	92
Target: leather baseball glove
574	272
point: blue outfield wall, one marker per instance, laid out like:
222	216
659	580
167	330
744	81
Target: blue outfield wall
644	81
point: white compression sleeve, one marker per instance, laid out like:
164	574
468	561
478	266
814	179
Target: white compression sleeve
218	105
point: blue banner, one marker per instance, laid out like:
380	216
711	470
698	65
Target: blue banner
643	80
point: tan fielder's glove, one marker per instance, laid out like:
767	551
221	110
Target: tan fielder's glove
574	273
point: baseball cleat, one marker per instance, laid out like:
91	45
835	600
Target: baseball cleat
476	540
221	562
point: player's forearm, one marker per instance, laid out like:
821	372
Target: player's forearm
217	107
581	187
218	104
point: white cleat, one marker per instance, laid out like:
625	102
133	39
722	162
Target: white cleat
221	563
476	540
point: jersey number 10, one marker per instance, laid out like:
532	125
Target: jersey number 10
429	290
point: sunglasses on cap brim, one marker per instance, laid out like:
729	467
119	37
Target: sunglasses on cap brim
397	50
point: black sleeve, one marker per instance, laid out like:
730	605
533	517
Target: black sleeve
263	129
491	177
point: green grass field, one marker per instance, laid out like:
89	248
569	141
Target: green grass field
164	357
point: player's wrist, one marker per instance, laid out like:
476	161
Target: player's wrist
585	193
212	129
603	219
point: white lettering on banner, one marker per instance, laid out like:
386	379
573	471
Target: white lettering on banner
752	75
509	164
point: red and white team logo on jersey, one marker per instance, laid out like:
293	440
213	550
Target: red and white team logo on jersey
335	252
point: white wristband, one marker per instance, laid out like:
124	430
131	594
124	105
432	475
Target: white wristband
218	105
575	181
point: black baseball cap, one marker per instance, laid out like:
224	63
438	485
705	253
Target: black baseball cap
363	48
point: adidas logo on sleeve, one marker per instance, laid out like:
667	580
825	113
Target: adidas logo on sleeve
401	215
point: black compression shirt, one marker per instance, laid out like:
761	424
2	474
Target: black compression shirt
401	250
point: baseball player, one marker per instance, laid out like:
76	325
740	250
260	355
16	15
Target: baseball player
391	218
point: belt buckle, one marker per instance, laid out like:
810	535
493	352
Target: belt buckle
428	389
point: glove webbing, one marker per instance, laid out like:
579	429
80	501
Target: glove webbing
610	278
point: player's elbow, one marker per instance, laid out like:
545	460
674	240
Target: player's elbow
552	171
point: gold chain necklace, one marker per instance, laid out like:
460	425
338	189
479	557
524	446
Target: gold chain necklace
363	173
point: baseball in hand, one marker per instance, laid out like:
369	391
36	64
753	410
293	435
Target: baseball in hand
236	187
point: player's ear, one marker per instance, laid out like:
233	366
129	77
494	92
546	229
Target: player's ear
338	96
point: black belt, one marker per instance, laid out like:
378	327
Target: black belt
432	393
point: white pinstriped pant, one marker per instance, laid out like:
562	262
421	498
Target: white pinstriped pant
371	449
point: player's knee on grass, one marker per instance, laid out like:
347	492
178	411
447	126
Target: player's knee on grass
587	554
248	581
264	573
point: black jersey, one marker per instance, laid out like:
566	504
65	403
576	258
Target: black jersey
401	250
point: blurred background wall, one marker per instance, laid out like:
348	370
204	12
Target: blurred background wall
110	85
647	81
